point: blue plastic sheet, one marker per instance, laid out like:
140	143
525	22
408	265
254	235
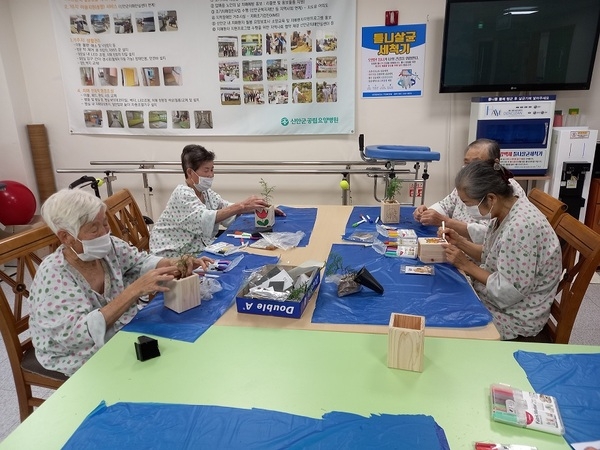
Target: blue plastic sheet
169	426
575	382
445	299
406	221
296	219
188	326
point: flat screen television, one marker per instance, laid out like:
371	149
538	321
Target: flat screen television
519	45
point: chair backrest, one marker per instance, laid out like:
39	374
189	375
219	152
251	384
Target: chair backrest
551	207
21	254
580	258
126	220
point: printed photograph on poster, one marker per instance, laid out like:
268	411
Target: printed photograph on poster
393	61
132	67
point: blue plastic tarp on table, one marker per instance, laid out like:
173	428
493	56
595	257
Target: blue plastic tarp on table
158	426
407	221
574	379
296	219
445	299
157	320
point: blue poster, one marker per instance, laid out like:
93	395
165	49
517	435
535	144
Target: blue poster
393	61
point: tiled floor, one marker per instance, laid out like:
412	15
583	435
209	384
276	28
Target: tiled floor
586	331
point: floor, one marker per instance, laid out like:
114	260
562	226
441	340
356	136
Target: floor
585	331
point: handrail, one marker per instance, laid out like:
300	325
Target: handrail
247	163
374	169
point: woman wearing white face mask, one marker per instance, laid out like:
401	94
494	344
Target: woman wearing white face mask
87	290
516	270
194	211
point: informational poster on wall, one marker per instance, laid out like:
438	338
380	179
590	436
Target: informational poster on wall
207	67
393	61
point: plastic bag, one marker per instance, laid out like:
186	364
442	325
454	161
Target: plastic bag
284	240
362	236
208	287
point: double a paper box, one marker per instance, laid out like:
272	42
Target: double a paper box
279	278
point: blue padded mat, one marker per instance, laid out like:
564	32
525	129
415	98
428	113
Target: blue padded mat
169	426
296	219
401	153
406	221
445	299
157	320
575	382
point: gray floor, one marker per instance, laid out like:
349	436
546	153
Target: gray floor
586	331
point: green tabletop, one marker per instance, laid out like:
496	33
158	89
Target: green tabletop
301	372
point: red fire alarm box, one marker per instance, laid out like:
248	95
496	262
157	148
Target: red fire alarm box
391	18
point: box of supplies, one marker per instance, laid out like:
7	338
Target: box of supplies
278	290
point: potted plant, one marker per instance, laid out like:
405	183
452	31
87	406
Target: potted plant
265	217
390	207
343	276
184	292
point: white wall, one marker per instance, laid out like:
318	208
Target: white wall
31	92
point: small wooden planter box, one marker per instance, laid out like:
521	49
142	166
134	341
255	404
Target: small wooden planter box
390	212
264	217
183	294
431	250
406	335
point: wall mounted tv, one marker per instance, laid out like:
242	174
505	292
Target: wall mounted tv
519	45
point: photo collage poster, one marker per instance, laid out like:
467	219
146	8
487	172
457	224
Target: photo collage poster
177	67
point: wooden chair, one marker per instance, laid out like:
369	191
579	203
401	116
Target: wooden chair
551	207
24	250
126	220
580	256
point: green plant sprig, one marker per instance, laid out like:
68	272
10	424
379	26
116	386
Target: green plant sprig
267	191
336	265
392	189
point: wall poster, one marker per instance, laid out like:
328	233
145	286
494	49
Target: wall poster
393	61
207	67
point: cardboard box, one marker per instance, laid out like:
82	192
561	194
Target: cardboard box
281	308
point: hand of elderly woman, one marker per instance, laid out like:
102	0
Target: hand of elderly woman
432	217
185	264
456	256
418	212
252	203
154	280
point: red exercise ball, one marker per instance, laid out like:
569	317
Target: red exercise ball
17	203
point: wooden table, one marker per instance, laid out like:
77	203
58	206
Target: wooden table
329	229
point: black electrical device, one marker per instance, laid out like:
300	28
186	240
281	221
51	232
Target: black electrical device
571	185
146	348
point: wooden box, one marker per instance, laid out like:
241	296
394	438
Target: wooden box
264	217
406	335
183	294
390	212
431	250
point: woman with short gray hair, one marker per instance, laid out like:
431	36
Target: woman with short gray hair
87	290
517	269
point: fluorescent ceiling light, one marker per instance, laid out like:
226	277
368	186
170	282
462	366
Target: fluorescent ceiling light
520	10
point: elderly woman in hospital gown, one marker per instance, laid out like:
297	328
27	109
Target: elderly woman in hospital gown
517	269
194	211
